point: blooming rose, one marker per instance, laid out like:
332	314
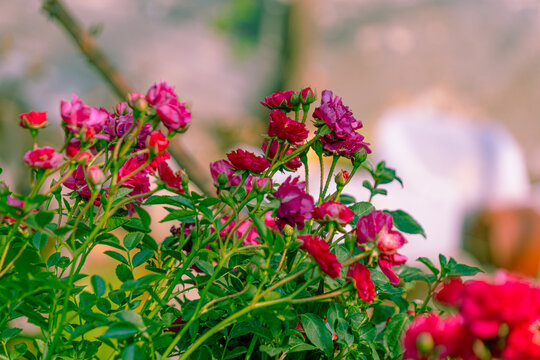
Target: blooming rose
523	342
377	226
33	120
450	292
245	231
343	139
173	113
429	335
279	100
139	182
157	142
296	206
286	128
80	118
333	211
245	160
319	250
168	177
44	158
118	126
77	181
361	277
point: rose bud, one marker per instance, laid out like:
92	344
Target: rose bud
95	175
342	177
137	101
33	120
262	185
307	96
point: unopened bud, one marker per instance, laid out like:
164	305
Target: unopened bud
137	101
262	185
359	157
307	96
342	177
222	179
288	230
295	99
122	109
95	175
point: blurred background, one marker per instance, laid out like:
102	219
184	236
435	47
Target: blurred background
448	91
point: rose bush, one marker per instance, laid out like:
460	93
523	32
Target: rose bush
272	271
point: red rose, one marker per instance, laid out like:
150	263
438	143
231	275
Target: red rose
361	277
319	250
245	160
157	142
33	120
286	128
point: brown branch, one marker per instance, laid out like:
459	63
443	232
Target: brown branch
117	82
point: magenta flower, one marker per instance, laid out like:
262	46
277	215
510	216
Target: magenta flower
451	292
285	128
523	343
333	211
343	139
172	180
245	160
386	262
279	100
77	181
33	120
44	158
139	182
245	231
431	337
296	206
228	178
172	112
361	277
319	250
118	126
377	226
80	118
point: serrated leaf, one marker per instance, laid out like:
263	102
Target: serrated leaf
115	222
318	333
392	333
406	223
144	216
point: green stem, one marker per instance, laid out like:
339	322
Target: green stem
329	178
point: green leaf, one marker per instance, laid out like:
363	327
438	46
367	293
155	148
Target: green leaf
9	333
406	223
133	352
178	215
346	199
19	350
115	222
53	259
169	200
144	216
362	208
116	256
142	257
393	332
429	264
318	333
123	272
120	330
131	317
40	240
98	285
462	269
133	239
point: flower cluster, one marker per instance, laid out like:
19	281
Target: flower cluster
343	138
501	318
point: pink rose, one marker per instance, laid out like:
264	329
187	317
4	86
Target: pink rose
173	113
157	142
44	158
333	211
361	277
